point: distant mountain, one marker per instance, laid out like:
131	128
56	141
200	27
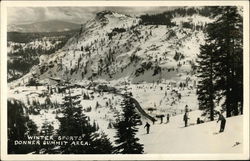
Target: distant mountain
44	26
118	47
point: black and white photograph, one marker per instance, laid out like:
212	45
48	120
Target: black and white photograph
87	80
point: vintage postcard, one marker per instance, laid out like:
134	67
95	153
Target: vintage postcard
124	80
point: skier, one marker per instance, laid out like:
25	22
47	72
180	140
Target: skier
179	96
162	119
223	121
180	85
153	121
147	127
168	116
186	108
185	119
198	120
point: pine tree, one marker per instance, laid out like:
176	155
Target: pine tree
47	130
19	126
28	101
205	87
100	144
32	128
126	141
94	125
97	105
75	123
226	34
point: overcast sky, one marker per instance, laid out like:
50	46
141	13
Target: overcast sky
21	15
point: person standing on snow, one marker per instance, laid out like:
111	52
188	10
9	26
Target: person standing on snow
147	127
168	116
199	121
186	108
185	119
153	121
223	121
162	119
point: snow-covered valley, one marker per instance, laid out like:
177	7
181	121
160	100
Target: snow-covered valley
170	137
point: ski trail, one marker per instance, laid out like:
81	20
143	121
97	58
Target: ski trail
137	105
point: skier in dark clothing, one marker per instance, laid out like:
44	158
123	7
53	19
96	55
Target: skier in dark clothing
153	121
185	119
186	108
147	127
199	121
223	122
168	118
162	119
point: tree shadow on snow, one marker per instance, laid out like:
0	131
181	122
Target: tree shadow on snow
216	133
146	134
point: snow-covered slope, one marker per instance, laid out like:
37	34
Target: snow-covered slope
112	46
204	138
115	48
165	138
24	50
41	44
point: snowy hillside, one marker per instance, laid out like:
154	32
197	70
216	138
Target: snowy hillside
117	49
113	46
166	138
173	137
153	62
42	44
24	50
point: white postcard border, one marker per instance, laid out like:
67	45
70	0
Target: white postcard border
4	87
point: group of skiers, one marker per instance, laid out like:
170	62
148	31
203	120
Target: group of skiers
186	118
